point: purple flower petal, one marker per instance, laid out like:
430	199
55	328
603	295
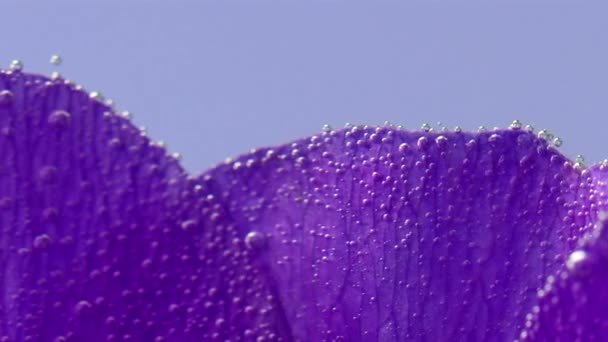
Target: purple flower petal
573	304
359	234
102	238
381	234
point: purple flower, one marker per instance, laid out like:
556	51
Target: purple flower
361	234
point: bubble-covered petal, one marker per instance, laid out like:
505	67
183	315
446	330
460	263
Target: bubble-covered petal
390	235
102	235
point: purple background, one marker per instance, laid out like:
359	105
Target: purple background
216	79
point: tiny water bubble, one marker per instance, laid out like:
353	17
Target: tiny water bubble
557	142
575	259
516	124
426	127
482	129
16	65
95	95
255	240
56	60
326	128
579	162
545	134
529	128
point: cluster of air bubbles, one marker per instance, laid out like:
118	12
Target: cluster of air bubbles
549	137
442	127
579	161
426	127
545	135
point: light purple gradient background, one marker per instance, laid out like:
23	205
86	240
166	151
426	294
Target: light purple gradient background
215	79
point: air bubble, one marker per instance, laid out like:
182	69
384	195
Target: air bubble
82	306
326	128
403	147
16	65
42	241
516	124
255	240
494	138
545	134
423	143
56	60
441	141
6	97
575	259
579	162
426	127
95	95
557	142
60	119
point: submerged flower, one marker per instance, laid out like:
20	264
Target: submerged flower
360	234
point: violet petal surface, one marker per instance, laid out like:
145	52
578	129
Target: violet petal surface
357	234
384	234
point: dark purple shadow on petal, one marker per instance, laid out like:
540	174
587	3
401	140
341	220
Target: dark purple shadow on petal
382	234
104	238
